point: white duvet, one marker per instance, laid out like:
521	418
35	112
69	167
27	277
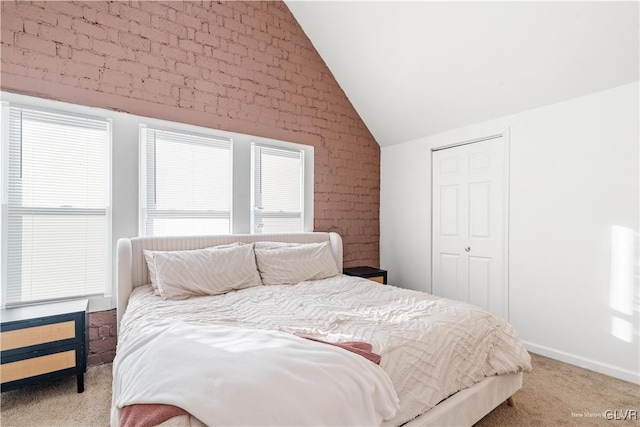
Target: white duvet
431	347
229	376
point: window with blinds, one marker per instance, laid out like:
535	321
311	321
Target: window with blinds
277	177
187	183
57	205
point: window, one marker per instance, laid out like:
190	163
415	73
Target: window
56	220
63	209
186	183
277	177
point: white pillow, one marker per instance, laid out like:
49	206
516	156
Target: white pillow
148	256
209	271
273	245
290	264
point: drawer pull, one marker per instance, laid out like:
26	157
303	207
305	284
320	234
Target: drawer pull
26	337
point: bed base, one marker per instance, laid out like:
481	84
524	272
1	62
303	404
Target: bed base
470	405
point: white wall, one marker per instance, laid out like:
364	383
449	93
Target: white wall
574	224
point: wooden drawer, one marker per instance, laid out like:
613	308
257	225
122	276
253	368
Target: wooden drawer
35	335
379	279
28	368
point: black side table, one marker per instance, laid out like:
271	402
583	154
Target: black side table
371	273
43	342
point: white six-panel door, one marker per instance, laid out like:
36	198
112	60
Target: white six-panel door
468	225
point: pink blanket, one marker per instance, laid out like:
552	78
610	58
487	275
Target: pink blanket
360	348
147	415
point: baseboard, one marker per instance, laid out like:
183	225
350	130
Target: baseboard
592	365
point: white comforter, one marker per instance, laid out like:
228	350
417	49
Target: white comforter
431	347
228	376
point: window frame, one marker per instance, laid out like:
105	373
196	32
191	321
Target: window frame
254	192
47	106
145	182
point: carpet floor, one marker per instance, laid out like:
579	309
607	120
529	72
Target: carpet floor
554	394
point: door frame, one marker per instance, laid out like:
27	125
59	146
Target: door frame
506	138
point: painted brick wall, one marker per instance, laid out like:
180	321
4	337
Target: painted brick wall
102	337
238	66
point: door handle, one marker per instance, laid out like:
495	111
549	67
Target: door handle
467	249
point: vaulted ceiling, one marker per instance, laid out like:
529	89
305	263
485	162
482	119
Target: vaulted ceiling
416	68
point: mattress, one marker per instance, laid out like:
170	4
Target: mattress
430	347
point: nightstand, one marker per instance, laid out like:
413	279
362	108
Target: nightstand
43	342
375	274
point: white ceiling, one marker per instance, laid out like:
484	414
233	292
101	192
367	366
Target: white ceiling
412	69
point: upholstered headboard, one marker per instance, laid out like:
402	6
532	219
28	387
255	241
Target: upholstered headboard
132	268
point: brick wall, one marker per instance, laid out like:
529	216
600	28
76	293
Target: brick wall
238	66
102	337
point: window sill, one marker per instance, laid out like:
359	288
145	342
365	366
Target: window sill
96	302
100	303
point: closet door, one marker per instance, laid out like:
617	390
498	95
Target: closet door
468	233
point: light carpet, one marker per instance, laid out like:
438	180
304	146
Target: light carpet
554	394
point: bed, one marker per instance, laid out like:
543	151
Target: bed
441	362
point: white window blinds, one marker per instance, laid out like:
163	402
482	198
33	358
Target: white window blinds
277	176
188	183
56	224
